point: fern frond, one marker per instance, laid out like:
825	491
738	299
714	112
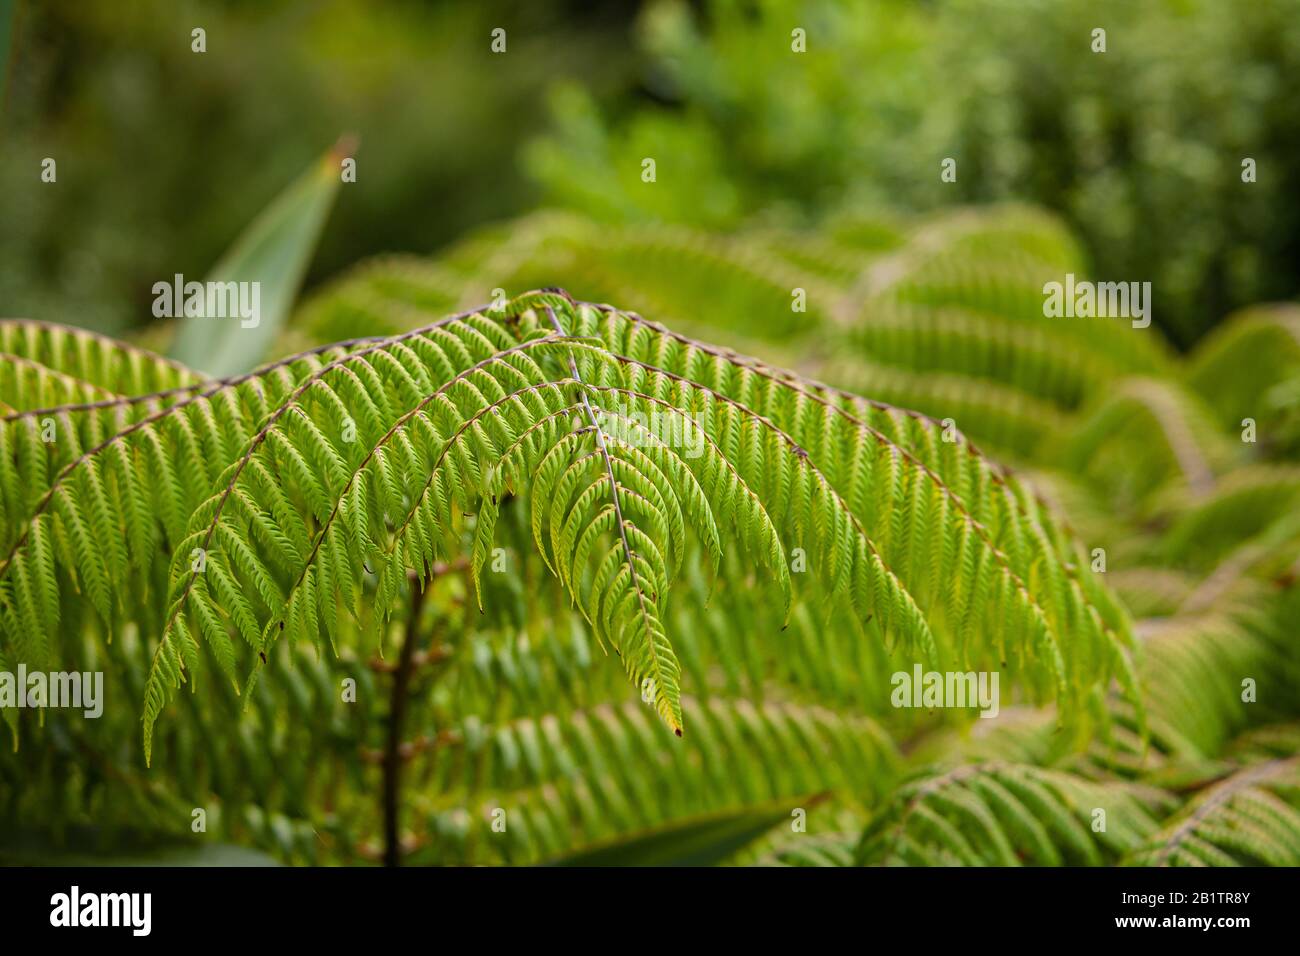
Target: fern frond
958	340
562	785
312	488
1252	818
1202	659
1146	436
822	849
1247	368
1007	422
996	263
1001	814
1244	505
98	362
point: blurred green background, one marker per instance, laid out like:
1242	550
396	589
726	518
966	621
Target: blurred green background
163	154
777	172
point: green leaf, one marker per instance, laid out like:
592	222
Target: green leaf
274	252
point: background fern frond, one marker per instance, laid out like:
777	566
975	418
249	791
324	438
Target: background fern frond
999	814
1249	818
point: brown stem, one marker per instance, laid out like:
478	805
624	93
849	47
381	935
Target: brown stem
396	720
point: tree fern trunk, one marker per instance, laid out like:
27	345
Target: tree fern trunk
392	766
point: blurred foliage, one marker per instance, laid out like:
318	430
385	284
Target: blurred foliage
1139	148
738	123
164	155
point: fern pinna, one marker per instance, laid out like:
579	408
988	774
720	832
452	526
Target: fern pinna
330	483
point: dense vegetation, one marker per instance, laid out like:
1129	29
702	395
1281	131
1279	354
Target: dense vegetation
1139	148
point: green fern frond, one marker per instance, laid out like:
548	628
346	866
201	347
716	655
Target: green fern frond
821	850
1242	506
970	493
96	362
1145	436
1247	366
1001	814
1021	356
565	784
1252	818
1197	704
288	494
1005	421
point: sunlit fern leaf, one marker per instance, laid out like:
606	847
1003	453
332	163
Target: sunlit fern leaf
1251	818
1000	531
1081	507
